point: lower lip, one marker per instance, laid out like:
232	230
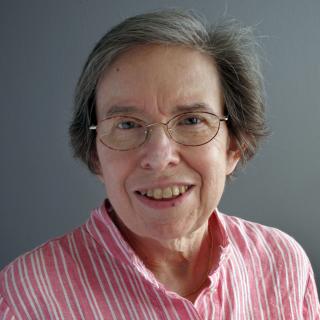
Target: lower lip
163	203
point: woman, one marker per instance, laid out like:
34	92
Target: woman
166	107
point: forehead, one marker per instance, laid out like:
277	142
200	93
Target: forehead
159	76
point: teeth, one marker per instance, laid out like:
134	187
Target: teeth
175	191
157	193
165	193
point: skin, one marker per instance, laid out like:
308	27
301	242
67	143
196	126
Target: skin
173	242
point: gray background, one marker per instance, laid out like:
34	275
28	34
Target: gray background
45	193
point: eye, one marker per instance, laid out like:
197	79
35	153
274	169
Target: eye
190	120
126	124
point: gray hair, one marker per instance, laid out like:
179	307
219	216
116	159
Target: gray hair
232	48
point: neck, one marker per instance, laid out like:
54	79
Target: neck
181	265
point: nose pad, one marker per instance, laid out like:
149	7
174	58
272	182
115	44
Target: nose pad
159	150
150	129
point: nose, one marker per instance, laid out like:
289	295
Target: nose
159	151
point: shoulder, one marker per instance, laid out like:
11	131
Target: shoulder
268	246
45	253
35	272
277	260
259	234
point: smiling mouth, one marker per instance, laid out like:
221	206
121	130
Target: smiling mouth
165	193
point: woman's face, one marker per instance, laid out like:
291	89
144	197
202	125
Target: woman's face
155	83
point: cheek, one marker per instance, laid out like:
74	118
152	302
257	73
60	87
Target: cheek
213	179
212	161
114	168
212	168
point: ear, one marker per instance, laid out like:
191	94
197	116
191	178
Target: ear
233	155
100	177
95	163
98	172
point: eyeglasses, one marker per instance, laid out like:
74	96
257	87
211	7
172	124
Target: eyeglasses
189	129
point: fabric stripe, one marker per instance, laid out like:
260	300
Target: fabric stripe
286	273
30	287
188	309
48	281
256	276
292	279
116	239
110	287
25	293
243	279
107	277
69	282
5	313
8	284
272	269
122	290
19	293
66	296
80	281
146	297
46	304
226	298
84	279
44	285
256	271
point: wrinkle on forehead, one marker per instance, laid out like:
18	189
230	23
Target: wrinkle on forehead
165	76
117	110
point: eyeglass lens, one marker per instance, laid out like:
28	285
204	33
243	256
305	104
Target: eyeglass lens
191	129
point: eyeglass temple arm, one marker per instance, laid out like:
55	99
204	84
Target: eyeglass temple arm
92	127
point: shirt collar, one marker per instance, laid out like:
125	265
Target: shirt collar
104	231
101	227
217	225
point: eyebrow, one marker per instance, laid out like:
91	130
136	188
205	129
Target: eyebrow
116	110
197	106
119	110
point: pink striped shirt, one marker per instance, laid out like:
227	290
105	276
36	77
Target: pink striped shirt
92	273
